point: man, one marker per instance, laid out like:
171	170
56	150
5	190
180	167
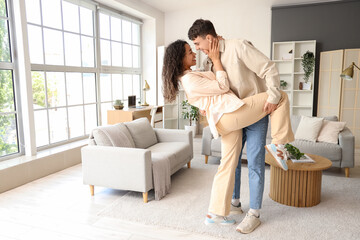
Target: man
249	72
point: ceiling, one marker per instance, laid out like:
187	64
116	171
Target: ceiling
174	5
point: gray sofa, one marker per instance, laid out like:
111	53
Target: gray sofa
120	156
341	154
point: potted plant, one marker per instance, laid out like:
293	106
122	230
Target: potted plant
118	104
283	84
192	113
308	63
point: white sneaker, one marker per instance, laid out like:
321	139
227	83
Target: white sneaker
248	224
236	209
279	153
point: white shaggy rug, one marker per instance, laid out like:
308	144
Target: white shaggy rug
336	217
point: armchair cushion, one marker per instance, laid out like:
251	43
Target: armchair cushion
309	128
330	131
143	134
113	135
328	150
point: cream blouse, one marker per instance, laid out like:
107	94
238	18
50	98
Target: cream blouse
210	93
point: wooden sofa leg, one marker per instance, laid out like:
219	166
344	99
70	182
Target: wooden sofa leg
189	164
347	172
92	190
206	159
145	197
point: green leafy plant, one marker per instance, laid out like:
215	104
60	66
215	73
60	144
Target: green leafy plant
294	151
283	84
189	112
118	102
308	63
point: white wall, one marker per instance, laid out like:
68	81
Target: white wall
232	19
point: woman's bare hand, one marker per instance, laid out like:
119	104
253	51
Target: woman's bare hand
214	53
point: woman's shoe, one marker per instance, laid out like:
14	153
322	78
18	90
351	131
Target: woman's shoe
210	220
279	153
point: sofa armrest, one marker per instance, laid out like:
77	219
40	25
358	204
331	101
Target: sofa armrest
118	168
347	143
207	137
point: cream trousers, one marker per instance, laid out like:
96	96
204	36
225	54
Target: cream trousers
230	128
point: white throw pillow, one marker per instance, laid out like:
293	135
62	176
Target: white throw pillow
142	133
330	131
309	128
113	135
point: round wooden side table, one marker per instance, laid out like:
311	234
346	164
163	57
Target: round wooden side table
300	185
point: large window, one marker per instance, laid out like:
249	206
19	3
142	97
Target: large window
9	134
120	53
76	72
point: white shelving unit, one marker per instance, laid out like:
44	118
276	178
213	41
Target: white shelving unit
172	113
290	70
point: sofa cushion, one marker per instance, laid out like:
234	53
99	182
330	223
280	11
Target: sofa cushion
113	135
309	128
328	150
142	133
330	131
175	151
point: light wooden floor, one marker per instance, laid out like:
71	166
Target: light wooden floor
59	206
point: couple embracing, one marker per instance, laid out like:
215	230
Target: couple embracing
237	91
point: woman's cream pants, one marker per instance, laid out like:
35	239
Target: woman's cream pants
230	128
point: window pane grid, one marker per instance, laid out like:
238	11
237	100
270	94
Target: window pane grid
60	108
123	40
68	47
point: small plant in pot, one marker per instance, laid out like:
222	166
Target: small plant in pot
308	64
283	84
118	104
192	113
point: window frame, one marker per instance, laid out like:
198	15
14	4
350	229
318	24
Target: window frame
97	69
15	79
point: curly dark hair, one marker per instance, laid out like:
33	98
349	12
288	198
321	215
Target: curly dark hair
173	68
201	28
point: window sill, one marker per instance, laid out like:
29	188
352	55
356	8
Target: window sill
41	154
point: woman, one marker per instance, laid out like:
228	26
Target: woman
226	115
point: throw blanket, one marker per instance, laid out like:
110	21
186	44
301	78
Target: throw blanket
161	174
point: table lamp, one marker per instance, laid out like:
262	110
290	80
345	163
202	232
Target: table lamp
348	73
145	88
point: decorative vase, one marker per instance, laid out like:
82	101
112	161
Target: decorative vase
191	128
306	86
118	107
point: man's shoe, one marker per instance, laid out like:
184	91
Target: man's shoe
248	224
236	209
210	220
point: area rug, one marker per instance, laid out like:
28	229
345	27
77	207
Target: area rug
336	217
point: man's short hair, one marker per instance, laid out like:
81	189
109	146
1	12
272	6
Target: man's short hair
201	28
